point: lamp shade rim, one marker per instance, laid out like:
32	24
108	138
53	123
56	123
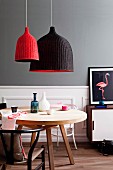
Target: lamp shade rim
52	71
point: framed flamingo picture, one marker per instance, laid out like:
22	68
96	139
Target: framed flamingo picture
100	85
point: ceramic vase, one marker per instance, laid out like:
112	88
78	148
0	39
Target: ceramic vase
43	103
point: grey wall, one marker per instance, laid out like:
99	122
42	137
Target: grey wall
86	24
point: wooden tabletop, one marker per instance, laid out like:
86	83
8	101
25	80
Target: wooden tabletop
56	118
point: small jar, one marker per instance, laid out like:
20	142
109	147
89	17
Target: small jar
64	108
14	109
101	102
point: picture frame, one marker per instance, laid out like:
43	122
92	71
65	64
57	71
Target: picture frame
100	80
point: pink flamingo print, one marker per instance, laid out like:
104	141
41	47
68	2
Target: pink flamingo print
102	85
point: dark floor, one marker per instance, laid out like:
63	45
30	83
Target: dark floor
86	157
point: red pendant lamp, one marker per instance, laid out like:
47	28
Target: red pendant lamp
26	47
55	53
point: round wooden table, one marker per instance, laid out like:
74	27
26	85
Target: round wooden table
58	118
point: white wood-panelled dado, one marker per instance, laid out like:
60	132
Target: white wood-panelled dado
22	96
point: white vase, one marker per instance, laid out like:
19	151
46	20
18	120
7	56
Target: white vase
43	103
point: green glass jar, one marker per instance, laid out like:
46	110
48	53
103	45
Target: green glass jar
101	102
34	104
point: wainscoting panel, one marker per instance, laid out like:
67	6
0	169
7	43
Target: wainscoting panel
22	96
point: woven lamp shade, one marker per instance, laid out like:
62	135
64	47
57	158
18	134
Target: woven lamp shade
26	48
55	54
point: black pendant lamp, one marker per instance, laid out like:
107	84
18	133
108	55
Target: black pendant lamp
55	53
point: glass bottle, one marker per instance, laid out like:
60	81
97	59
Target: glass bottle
101	102
34	104
43	103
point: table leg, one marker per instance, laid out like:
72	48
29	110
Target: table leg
69	152
50	148
19	127
33	136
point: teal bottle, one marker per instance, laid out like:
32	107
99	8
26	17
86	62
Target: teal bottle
101	102
34	104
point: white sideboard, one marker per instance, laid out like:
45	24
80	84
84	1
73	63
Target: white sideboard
99	123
